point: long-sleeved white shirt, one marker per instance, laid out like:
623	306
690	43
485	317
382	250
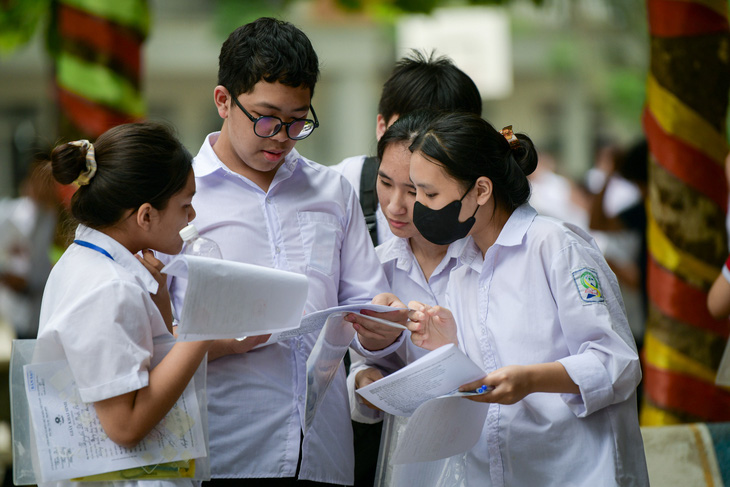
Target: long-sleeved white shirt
542	293
309	222
408	282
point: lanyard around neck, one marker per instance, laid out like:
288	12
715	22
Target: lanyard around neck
91	246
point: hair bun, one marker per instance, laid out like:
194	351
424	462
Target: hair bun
68	162
524	153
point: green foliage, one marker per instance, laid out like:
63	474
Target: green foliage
19	20
231	14
413	6
627	92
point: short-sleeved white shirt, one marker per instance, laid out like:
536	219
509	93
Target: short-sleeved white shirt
542	293
98	315
351	168
310	222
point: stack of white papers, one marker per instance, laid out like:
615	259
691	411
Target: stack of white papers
226	299
442	423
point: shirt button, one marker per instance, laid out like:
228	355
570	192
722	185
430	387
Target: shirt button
278	250
268	200
484	330
300	398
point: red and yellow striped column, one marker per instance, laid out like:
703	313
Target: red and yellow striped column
685	124
96	46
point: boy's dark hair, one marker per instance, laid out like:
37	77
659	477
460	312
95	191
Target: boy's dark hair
136	163
267	49
418	81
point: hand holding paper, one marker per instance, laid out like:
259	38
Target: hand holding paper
366	377
233	346
441	424
379	330
512	383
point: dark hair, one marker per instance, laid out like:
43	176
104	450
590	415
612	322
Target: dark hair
634	163
418	81
267	49
137	163
406	128
468	147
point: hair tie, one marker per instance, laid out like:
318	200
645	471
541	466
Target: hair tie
86	175
514	142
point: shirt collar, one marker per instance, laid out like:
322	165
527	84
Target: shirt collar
512	234
120	254
470	255
400	251
207	161
514	231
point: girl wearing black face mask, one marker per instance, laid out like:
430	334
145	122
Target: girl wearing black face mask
534	303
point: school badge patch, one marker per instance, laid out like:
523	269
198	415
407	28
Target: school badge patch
589	287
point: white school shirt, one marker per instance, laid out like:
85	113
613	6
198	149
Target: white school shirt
98	315
309	222
544	293
351	168
408	282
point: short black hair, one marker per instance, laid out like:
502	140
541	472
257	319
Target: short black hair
137	163
468	147
420	80
267	49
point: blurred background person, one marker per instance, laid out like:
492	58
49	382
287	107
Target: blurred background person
29	227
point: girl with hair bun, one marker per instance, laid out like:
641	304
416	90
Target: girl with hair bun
105	305
533	303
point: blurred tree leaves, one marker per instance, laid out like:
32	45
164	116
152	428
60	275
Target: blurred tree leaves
19	20
233	13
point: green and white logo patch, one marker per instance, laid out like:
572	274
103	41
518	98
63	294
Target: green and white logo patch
588	285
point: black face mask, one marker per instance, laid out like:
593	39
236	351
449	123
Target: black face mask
442	227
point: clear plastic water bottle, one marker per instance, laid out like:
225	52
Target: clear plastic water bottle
197	245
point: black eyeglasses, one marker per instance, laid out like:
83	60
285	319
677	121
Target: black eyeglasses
266	127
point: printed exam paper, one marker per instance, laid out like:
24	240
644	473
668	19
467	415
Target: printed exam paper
71	442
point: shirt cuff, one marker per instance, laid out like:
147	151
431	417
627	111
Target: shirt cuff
359	412
357	346
591	377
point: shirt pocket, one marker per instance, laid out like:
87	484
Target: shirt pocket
321	236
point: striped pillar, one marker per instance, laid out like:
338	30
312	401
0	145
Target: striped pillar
685	123
96	47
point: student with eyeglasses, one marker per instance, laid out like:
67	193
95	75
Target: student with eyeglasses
265	204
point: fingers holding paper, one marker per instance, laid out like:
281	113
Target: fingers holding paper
431	326
506	385
232	346
378	330
366	377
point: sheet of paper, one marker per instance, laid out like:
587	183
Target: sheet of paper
723	371
324	361
226	299
71	442
315	321
437	373
441	428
